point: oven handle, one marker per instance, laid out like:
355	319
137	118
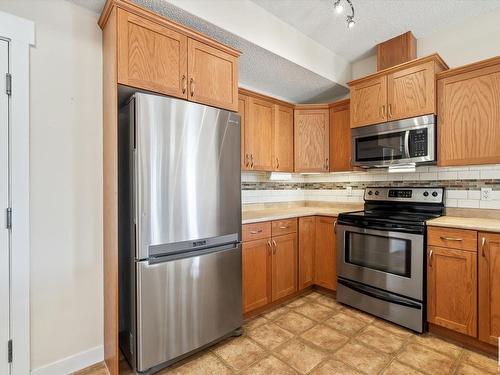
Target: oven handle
379	294
376	230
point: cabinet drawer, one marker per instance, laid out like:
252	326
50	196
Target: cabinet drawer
256	231
452	238
286	226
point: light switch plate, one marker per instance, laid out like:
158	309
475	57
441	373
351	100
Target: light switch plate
486	194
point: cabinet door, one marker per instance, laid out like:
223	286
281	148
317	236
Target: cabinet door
307	229
411	92
368	102
243	110
469	114
256	262
284	266
452	289
311	140
489	287
150	56
283	139
340	139
325	264
259	135
213	76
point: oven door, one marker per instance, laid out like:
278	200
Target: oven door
391	261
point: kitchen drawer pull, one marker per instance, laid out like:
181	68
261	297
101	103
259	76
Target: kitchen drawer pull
268	245
184	83
483	243
256	231
451	238
284	227
192	86
277	163
275	246
335	226
430	258
389	110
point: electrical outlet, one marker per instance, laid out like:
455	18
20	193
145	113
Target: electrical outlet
486	194
349	191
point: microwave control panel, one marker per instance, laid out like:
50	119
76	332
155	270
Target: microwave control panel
418	143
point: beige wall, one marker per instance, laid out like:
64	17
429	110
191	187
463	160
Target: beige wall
65	179
466	42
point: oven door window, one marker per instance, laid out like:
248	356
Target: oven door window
381	147
386	254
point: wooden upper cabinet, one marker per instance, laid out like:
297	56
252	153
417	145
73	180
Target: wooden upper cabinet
256	268
284	268
489	287
151	56
259	135
397	50
307	230
243	109
283	139
411	92
213	76
452	289
369	102
325	262
311	140
469	114
340	137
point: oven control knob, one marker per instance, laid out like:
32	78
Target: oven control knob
426	193
376	192
434	193
370	192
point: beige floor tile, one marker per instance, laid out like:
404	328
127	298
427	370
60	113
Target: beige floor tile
207	364
301	356
325	337
314	295
273	314
442	346
269	335
294	322
298	302
380	339
362	357
425	359
240	353
315	311
465	369
329	302
254	322
397	330
482	362
346	324
270	365
397	368
333	367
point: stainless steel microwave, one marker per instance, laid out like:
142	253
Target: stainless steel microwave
409	141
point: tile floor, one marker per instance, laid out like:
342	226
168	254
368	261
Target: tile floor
315	335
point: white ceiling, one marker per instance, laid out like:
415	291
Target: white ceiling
376	20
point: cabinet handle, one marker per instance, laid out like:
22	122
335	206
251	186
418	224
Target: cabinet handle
275	246
268	245
246	160
451	238
383	111
389	107
277	163
284	227
430	258
326	164
483	242
335	226
184	83
251	160
256	231
191	84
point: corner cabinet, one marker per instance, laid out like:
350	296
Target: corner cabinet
404	91
157	55
311	138
469	115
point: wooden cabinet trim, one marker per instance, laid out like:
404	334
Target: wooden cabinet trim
325	274
469	68
397	50
254	94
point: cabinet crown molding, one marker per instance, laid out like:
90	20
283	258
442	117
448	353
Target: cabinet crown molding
469	67
138	10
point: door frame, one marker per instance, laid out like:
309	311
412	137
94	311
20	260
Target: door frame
21	35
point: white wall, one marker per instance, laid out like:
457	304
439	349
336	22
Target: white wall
65	180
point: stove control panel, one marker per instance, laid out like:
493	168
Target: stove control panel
411	194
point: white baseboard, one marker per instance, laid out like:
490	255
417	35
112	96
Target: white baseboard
72	363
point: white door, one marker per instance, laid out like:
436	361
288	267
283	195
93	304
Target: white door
4	203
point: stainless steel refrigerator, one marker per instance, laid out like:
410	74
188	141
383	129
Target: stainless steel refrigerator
179	229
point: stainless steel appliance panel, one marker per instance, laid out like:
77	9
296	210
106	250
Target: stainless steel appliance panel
185	303
393	261
187	175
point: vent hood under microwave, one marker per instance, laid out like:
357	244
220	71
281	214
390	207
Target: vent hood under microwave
404	142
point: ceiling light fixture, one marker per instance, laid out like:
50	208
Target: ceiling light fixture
339	9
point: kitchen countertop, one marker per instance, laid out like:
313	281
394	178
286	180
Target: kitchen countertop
472	223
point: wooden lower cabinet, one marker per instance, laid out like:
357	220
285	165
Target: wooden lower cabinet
452	289
325	273
284	265
489	287
307	230
257	266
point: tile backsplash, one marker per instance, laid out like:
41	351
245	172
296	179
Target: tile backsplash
463	185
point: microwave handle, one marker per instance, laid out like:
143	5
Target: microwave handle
407	144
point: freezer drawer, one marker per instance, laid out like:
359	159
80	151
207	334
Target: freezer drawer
185	303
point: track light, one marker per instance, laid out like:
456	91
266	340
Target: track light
339	9
350	22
